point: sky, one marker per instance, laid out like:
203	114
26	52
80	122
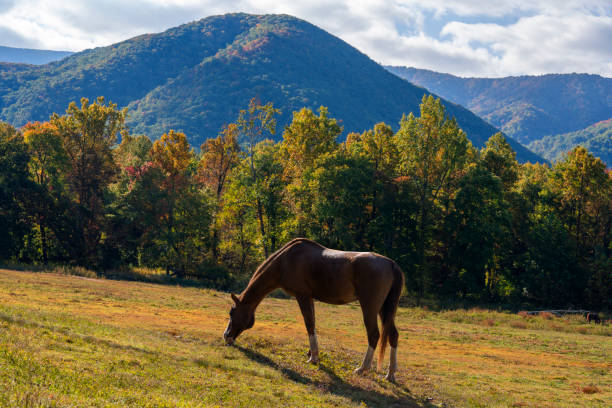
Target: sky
482	38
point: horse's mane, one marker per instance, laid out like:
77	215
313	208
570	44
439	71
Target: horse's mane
280	251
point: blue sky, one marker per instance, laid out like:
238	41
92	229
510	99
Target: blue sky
468	38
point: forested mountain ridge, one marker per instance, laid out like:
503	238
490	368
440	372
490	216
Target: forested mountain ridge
196	77
30	56
596	138
526	108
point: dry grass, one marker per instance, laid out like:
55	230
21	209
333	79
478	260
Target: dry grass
73	341
546	315
589	389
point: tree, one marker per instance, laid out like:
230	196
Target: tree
433	153
377	146
181	211
15	188
257	200
126	213
500	159
305	139
252	124
88	135
340	186
581	183
48	161
219	157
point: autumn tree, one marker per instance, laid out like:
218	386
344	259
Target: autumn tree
180	211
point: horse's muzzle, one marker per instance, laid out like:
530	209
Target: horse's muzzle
228	340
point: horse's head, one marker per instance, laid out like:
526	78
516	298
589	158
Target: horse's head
242	317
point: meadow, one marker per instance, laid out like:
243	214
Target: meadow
78	341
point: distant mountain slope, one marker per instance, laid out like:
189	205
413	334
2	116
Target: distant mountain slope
196	77
526	108
30	56
596	138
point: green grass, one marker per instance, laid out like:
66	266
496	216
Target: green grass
77	341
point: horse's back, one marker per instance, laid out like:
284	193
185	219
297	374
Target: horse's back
334	276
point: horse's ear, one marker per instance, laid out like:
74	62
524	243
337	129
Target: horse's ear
235	299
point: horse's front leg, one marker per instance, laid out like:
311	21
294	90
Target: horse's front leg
307	308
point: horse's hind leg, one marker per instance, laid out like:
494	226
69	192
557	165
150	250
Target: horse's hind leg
307	308
370	319
393	337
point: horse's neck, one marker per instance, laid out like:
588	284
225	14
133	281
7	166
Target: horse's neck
264	282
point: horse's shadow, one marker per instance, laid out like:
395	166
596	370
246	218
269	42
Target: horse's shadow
340	387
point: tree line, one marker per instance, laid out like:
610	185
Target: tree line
465	224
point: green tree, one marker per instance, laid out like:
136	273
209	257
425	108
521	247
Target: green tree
305	139
126	225
48	161
247	195
500	159
15	188
341	191
433	153
88	135
378	148
219	157
253	123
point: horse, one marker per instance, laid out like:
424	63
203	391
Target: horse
593	317
309	271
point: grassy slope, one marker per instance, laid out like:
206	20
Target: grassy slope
72	341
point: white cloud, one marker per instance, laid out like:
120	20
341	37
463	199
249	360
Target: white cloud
463	37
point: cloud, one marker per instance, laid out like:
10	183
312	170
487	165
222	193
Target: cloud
465	37
14	39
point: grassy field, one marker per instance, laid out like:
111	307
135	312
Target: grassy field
71	341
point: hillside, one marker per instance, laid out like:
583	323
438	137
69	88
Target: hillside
72	341
30	56
196	77
596	138
526	108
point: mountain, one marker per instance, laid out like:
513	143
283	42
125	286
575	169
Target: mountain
30	56
596	138
526	108
196	77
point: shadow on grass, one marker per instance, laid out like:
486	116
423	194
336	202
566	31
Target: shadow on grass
339	387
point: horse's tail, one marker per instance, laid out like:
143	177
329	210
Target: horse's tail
387	313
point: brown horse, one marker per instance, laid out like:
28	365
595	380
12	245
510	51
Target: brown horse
308	270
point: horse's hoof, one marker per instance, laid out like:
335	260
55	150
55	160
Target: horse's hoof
390	378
